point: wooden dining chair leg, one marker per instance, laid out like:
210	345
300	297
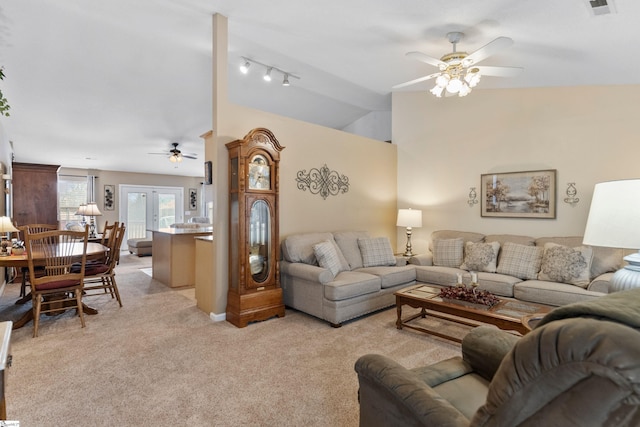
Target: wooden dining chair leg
37	305
114	287
78	295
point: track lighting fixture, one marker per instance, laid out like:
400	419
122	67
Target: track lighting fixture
244	69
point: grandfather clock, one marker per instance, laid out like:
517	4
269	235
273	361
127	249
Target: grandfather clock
254	273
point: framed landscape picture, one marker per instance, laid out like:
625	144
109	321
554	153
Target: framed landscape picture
530	194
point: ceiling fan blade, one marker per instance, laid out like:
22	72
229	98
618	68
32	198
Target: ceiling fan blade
500	71
161	154
186	156
412	82
487	50
427	59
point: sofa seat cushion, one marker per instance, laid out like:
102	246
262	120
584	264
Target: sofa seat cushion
392	276
499	284
551	293
350	284
436	275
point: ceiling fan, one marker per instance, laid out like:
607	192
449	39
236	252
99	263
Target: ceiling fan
175	155
458	70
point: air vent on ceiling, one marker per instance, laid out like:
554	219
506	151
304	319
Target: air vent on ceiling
601	7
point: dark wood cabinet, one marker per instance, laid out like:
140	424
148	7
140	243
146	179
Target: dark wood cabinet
254	276
35	193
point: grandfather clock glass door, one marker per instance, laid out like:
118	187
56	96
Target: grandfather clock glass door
259	243
254	278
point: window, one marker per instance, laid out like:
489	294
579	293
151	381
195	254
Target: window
72	192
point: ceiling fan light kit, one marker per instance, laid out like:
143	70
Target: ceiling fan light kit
175	155
458	74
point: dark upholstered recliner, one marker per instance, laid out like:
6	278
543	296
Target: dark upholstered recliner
579	367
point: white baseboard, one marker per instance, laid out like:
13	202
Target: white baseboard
218	317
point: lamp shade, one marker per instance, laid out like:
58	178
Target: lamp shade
6	226
92	209
409	218
614	215
82	209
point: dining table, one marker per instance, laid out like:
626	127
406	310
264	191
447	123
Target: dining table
94	251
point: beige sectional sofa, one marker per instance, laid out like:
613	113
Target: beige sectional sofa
341	275
547	270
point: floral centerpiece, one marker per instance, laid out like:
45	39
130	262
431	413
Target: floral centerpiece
470	295
17	247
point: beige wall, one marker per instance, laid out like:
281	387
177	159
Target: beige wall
589	134
370	203
117	178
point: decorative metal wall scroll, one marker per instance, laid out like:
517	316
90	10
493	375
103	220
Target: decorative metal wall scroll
322	181
109	197
473	197
572	191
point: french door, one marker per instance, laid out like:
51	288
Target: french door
146	207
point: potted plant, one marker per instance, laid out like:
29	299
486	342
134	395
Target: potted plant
17	247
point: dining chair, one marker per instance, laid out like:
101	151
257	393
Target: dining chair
108	232
58	288
100	277
31	228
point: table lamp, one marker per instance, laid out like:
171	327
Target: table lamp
6	226
615	209
409	218
82	211
92	211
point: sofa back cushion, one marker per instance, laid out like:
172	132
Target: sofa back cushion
566	264
376	252
466	236
348	243
513	238
520	261
299	248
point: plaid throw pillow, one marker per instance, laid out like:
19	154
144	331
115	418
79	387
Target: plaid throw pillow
520	261
327	257
376	252
447	252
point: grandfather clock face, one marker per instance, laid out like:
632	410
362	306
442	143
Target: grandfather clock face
259	173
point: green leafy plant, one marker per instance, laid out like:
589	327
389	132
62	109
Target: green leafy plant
4	104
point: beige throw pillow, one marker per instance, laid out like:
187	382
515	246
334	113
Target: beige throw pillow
564	264
481	256
376	252
327	257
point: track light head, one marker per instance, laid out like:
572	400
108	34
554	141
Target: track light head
244	68
267	75
285	80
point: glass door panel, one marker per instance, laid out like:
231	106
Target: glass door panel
136	215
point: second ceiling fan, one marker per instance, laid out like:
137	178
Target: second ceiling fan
459	73
175	155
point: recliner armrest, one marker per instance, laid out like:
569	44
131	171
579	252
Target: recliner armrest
485	347
391	395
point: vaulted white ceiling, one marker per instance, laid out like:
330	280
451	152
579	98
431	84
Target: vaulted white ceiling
100	84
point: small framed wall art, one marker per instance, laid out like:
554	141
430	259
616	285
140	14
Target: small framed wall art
529	194
193	199
109	197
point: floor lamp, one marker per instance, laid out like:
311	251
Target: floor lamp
615	209
409	218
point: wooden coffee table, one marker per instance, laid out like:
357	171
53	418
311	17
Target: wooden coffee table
508	314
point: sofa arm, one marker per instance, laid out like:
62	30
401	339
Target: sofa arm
485	347
311	273
422	259
391	395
